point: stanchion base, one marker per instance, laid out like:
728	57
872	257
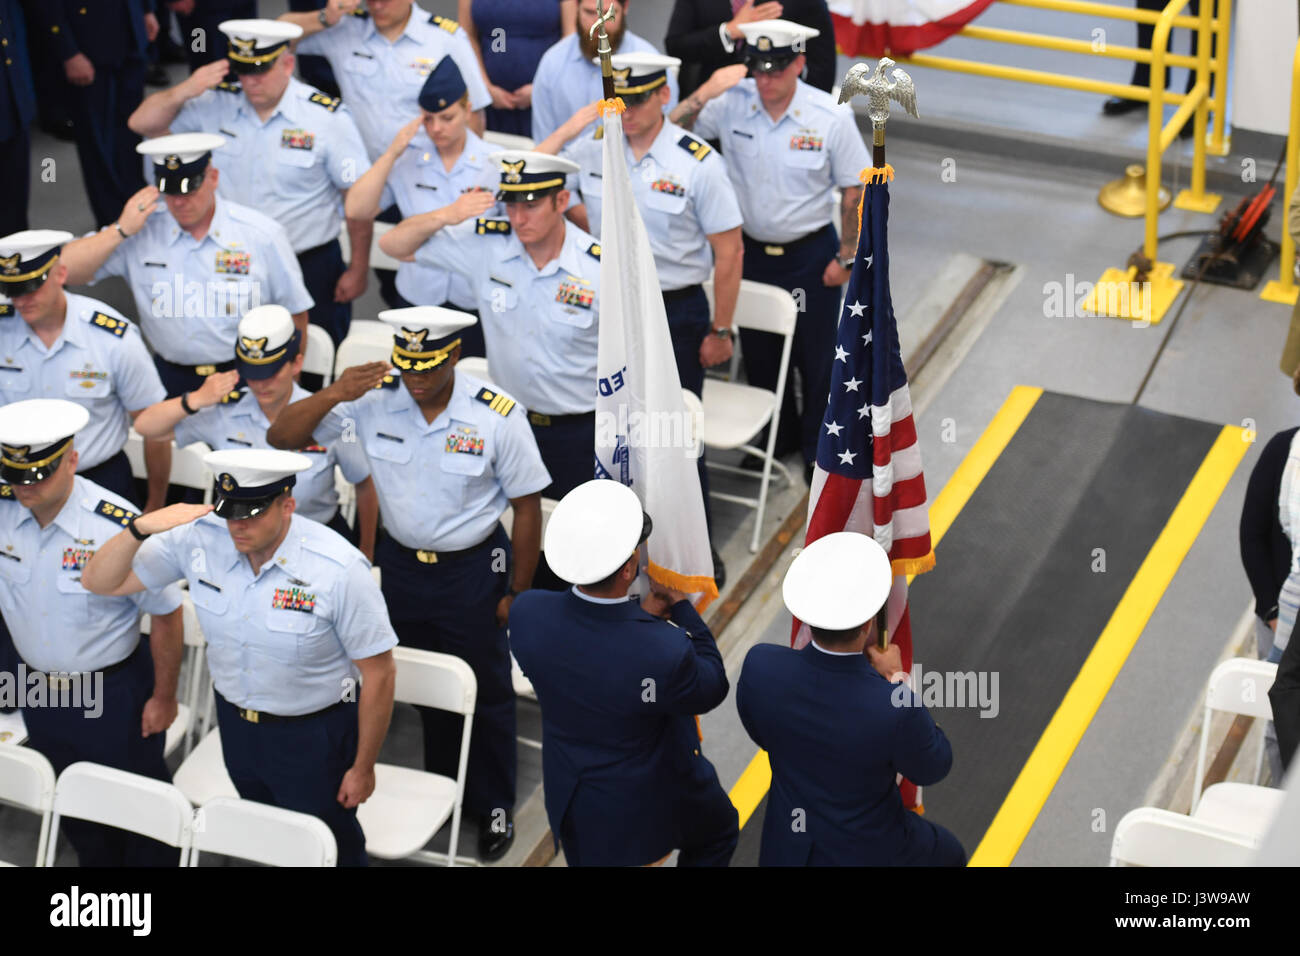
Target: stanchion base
1117	296
1274	291
1208	202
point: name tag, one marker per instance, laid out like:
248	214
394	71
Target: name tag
364	56
155	265
742	134
389	437
210	586
240	441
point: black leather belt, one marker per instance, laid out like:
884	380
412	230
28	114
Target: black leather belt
781	248
546	421
65	679
202	371
429	556
683	293
262	717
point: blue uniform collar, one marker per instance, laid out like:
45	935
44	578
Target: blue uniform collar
473	156
221	223
287	557
66	519
287	107
756	108
574	248
413	22
852	662
659	149
458	406
596	600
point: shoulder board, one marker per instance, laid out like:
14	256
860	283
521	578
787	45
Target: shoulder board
109	324
7	491
115	513
331	103
499	403
485	226
230	86
390	381
231	397
593	250
448	24
695	147
6	308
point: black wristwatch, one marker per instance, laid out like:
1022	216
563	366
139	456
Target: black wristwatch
185	404
135	532
846	262
321	17
723	333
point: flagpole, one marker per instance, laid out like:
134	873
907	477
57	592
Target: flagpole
603	15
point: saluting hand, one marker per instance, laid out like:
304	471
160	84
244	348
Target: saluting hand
173	516
358	380
471	204
356	787
137	209
205	78
335	10
404	137
723	79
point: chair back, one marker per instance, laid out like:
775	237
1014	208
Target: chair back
128	801
1148	836
27	781
262	833
1237	686
319	359
430	679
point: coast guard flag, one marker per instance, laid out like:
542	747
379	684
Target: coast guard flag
874	28
643	431
868	476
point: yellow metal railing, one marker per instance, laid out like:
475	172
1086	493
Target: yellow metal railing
1283	288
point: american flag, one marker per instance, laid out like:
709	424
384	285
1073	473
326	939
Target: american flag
868	476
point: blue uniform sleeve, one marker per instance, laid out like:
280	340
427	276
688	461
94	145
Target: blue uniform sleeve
162	559
287	287
699	679
708	125
327	42
456	248
196	115
518	463
919	750
546	111
202	426
848	152
159	602
347	160
362	625
341	425
716	206
138	385
116	263
352	461
748	719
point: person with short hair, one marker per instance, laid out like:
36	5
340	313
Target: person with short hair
838	726
620	683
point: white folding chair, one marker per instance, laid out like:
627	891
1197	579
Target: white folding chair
202	776
508	140
477	366
27	781
127	801
410	806
262	833
735	414
319	359
347	493
371	329
188	470
357	349
522	685
1237	686
192	696
1148	836
134	449
378	258
13	729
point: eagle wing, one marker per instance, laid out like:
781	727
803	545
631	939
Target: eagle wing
853	82
904	92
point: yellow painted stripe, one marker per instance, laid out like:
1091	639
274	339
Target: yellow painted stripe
752	786
1054	748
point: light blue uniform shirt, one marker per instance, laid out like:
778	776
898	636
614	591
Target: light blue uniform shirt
419	183
381	81
243	424
682	192
539	325
294	167
99	361
785	171
190	295
283	640
443	485
57	625
566	81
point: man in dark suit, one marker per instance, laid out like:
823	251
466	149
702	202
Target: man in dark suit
705	35
839	726
619	685
103	47
17	109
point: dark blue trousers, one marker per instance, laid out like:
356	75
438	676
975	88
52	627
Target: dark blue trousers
110	166
708	819
66	735
799	271
315	70
321	268
114	474
298	765
568	451
15	169
450	607
689	322
182	378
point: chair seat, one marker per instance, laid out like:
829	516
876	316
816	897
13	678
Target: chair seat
202	777
1241	807
407	808
176	732
733	413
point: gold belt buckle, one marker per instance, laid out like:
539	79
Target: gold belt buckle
537	418
774	250
251	716
427	557
205	370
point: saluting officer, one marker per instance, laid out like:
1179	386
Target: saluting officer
104	694
268	356
196	270
381	58
537	281
837	726
295	625
291	152
432	160
75	347
619	684
448	454
788	146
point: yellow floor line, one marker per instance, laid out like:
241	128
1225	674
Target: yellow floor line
753	784
1053	750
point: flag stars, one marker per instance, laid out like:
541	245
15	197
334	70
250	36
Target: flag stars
834	428
841	355
866	339
852	384
857	308
847	457
864	411
869	258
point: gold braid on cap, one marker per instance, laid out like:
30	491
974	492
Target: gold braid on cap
15	456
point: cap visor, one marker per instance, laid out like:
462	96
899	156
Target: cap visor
255	373
179	185
29	476
243	69
14	289
238	508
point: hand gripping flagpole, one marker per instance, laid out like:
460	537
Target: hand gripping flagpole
880	90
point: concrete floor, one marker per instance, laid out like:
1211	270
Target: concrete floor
1042	217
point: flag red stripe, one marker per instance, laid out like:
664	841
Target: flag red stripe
908	493
833	507
902	434
904	548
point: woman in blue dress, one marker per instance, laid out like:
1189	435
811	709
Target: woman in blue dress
510	37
